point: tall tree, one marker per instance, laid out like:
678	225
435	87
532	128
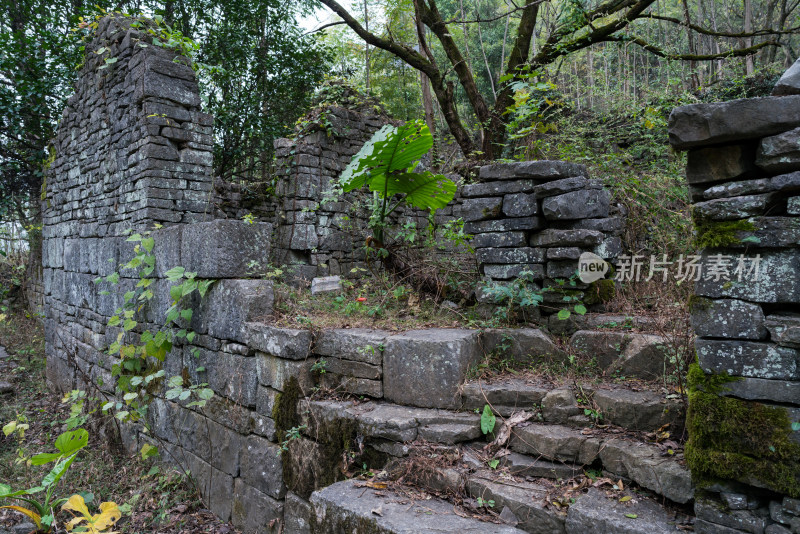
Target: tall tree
579	25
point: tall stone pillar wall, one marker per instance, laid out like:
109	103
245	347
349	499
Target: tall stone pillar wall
744	404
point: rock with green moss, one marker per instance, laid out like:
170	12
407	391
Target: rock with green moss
728	209
734	439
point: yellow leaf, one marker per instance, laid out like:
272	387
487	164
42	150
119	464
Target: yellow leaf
36	518
77	504
625	498
109	514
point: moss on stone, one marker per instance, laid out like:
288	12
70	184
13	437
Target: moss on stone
713	234
700	303
599	291
739	440
284	411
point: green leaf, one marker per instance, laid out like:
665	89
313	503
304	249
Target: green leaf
488	420
130	324
631	516
72	442
176	273
494	463
190	336
176	292
795	426
186	314
580	309
423	191
148	244
564	315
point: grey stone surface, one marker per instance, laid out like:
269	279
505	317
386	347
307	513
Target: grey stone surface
781	391
560	406
768	232
555	442
495	189
776	280
581	204
780	153
566	238
710	124
645	465
728	318
426	367
289	343
523	499
262	467
231	303
515	255
543	170
727	209
224	248
326	284
714	164
789	82
357	344
736	189
605	346
644	356
639	410
253	511
520	344
596	513
534	271
345	507
784	328
297	515
276	372
505	396
499	240
742	520
559	187
748	358
478	209
520	205
525	466
504	225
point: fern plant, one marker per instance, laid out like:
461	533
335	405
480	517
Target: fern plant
386	165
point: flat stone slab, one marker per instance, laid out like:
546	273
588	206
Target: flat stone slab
288	343
326	284
357	344
555	442
543	170
748	358
596	513
789	82
722	122
520	344
346	507
224	248
639	410
728	318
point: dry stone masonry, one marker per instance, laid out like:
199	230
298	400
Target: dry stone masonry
744	408
539	217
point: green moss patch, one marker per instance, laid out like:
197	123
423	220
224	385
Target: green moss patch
599	291
739	440
721	233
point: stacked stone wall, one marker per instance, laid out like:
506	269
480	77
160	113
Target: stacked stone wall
744	446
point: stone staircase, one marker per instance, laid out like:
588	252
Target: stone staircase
545	461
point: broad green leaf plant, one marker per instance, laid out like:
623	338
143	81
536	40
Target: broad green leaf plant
40	510
386	163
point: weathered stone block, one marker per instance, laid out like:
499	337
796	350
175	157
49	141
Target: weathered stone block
520	205
262	466
747	358
605	346
357	344
233	376
297	514
789	82
326	284
728	318
555	442
499	240
710	124
596	513
715	164
581	204
543	170
768	277
780	153
224	248
639	410
426	367
504	225
558	187
784	328
478	209
520	344
566	238
276	372
644	356
510	256
229	304
496	189
522	503
714	512
289	343
253	511
734	208
507	272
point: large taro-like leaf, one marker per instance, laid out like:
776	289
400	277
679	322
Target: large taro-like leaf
423	190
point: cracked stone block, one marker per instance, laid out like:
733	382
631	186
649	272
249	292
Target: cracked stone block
426	367
506	397
542	170
789	82
784	328
581	204
357	344
639	410
734	208
555	442
768	277
231	303
520	344
715	164
288	343
262	467
253	511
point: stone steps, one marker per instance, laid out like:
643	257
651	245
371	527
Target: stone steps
538	449
347	507
350	506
